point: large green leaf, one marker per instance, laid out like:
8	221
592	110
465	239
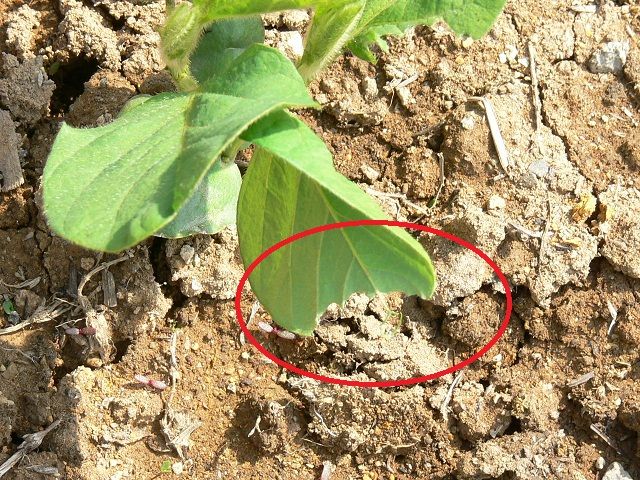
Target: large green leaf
211	207
465	17
110	187
291	186
222	43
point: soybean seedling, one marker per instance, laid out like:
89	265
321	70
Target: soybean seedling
271	329
166	165
148	382
82	332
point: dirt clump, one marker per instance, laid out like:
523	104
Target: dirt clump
8	411
87	33
481	414
25	89
351	102
466	320
20	25
504	455
206	264
10	142
464	272
556	397
621	228
366	420
278	423
104	96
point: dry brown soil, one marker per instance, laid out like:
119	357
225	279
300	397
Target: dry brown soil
558	397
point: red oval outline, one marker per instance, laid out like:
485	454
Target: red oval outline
357	383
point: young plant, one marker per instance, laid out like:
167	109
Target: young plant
166	166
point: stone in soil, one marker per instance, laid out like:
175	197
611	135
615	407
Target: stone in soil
290	43
616	472
610	58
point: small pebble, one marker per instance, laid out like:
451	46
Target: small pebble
177	468
87	263
600	463
196	285
467	42
616	472
610	58
186	253
497	203
370	88
540	168
370	174
468	122
511	53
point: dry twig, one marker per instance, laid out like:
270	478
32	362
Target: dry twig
580	380
434	201
535	86
31	442
444	408
43	314
496	134
399	196
607	439
83	300
177	427
613	311
26	284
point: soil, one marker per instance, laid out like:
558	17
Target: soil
557	397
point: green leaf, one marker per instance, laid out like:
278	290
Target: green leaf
334	22
211	207
291	186
110	187
165	466
7	306
222	43
213	204
179	38
465	17
212	10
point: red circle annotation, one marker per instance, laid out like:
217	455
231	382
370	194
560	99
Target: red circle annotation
379	384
